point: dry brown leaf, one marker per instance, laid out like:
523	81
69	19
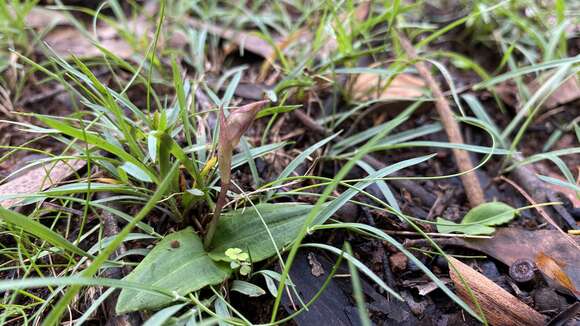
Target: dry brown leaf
243	39
40	18
554	273
511	244
38	179
368	86
500	307
567	92
67	40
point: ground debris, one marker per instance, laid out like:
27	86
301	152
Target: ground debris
38	179
499	307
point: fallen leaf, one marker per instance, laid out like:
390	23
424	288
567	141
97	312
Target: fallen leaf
38	179
369	86
554	274
39	18
499	306
567	92
243	39
511	244
66	41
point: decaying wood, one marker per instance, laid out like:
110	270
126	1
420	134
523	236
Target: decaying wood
500	307
470	181
38	179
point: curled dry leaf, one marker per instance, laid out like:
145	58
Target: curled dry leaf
368	86
499	307
38	179
554	274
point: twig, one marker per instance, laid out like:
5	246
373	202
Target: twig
470	181
526	176
540	210
441	242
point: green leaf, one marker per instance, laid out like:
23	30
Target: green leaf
445	226
244	229
135	171
94	139
178	263
479	219
493	213
160	317
247	288
195	192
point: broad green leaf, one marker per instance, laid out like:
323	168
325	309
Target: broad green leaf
493	213
243	228
480	219
40	231
177	263
445	226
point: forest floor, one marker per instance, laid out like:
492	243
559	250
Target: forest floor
289	162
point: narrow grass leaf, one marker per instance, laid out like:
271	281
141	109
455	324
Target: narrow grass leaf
40	231
358	264
163	315
247	288
358	294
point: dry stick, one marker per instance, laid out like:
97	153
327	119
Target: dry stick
527	177
426	197
470	181
541	211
